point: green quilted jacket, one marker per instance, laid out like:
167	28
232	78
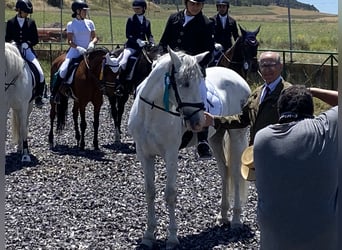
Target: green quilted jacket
254	114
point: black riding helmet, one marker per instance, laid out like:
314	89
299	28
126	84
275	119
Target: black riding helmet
24	5
195	1
139	3
78	5
222	2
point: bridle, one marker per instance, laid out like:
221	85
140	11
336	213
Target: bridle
104	64
248	42
171	82
11	83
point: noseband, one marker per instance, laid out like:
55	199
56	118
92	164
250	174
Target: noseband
170	81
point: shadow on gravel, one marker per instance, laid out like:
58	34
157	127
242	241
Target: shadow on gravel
13	163
121	147
90	154
210	238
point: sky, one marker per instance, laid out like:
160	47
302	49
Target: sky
324	6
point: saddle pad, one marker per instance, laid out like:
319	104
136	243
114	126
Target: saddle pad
213	99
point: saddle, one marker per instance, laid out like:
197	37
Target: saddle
72	67
34	75
127	74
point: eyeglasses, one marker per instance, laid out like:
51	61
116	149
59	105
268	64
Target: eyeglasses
268	65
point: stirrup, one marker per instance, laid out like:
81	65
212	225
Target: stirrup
66	90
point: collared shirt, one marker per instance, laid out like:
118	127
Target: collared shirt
271	86
187	18
223	20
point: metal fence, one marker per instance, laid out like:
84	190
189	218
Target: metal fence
322	74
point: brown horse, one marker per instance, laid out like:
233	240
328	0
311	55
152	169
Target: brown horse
142	68
93	78
242	56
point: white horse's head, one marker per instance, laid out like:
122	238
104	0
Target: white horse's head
186	78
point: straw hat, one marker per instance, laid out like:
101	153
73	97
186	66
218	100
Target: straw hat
247	164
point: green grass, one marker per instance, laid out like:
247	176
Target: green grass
317	36
307	33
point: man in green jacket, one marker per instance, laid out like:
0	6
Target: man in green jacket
261	107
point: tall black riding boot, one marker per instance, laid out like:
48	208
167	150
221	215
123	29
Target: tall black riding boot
203	148
119	88
54	87
39	94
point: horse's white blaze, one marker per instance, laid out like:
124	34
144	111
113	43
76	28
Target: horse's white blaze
17	96
157	132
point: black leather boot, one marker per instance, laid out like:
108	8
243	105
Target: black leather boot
54	88
39	91
203	148
119	88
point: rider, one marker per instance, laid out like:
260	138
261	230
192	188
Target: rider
80	36
225	25
138	34
22	31
191	31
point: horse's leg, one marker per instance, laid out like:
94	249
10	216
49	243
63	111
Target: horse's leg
114	111
238	142
75	111
147	163
83	126
217	144
171	198
26	157
97	107
121	109
22	122
52	119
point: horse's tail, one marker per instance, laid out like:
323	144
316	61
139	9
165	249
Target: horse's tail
62	111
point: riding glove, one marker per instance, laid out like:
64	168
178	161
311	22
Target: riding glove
24	46
218	47
91	45
81	50
141	43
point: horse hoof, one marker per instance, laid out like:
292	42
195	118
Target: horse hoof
148	243
236	225
222	221
26	158
172	245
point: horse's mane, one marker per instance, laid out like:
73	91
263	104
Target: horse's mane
97	51
14	63
189	68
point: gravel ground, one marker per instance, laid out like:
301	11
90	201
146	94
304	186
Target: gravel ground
67	199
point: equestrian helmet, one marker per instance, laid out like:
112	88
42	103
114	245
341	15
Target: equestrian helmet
195	1
139	3
24	5
79	4
222	2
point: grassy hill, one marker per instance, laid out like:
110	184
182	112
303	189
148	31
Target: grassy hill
241	13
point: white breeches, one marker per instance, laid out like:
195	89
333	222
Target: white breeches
123	57
28	54
63	69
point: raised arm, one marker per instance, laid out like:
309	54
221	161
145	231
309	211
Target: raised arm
328	96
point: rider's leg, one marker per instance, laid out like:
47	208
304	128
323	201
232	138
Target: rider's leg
61	74
39	88
203	148
125	55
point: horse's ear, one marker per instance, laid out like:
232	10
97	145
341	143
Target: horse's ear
257	31
174	57
203	59
243	31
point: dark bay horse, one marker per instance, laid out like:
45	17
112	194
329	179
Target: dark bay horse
92	79
142	68
242	56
